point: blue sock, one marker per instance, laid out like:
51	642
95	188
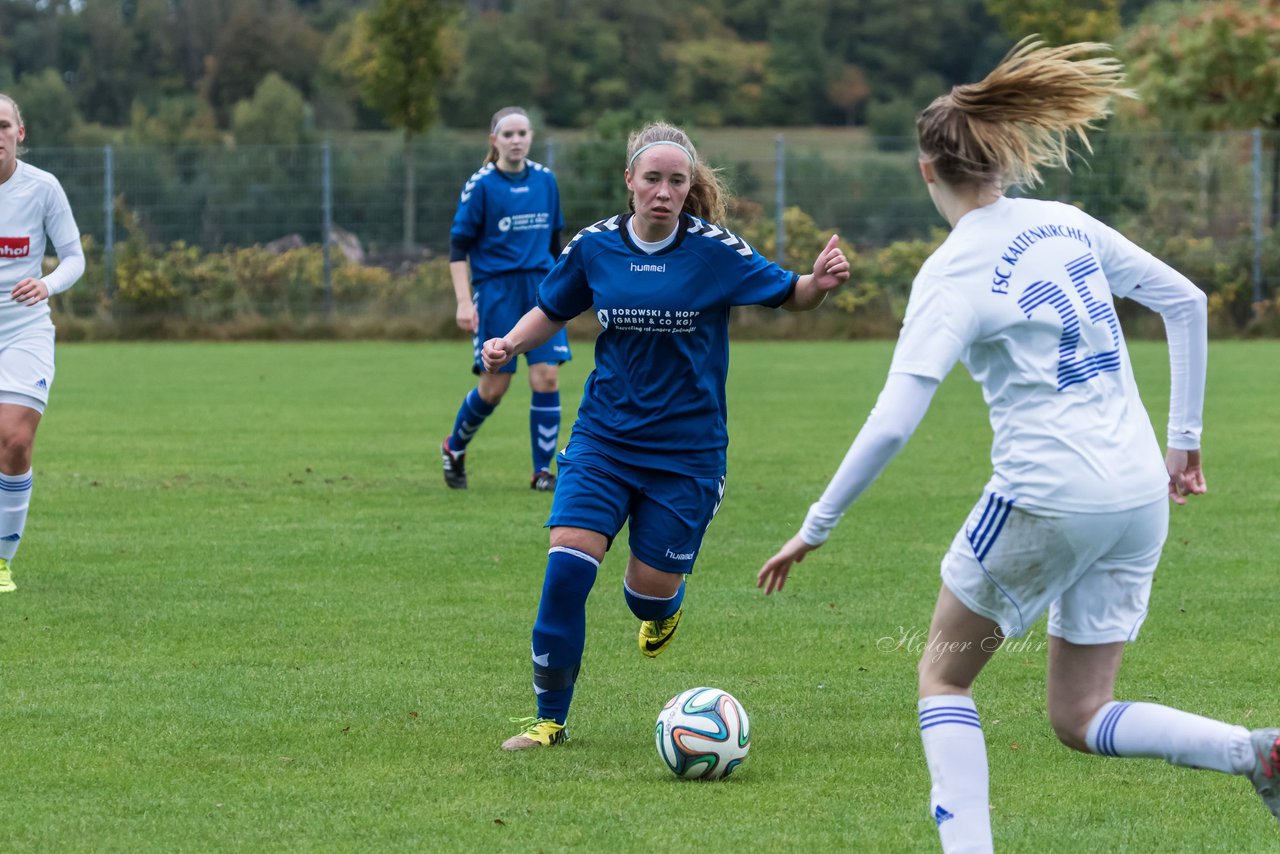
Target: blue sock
471	415
652	607
560	631
544	427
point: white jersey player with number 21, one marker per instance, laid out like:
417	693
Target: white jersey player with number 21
1074	515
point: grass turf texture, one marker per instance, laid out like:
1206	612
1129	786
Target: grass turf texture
251	617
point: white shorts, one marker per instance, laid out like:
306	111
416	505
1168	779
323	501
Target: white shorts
1092	571
26	368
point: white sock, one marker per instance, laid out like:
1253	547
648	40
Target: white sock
957	755
1179	738
15	498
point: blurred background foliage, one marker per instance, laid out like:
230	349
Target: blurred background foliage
219	111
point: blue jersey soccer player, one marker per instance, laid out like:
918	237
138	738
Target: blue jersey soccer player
649	442
34	215
508	228
1075	514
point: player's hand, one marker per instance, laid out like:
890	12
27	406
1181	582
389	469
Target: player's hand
831	267
30	291
1185	475
468	319
496	353
775	570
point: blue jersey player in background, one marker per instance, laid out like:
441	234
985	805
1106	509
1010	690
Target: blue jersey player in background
508	227
649	443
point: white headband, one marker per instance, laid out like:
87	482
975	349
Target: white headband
646	147
497	126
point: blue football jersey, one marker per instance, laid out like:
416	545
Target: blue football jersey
508	220
657	395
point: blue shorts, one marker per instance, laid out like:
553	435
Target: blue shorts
669	513
500	303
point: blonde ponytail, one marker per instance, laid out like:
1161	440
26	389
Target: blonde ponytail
1002	130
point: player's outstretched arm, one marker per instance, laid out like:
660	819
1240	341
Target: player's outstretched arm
898	411
530	331
776	569
830	270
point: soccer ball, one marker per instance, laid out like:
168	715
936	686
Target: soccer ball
703	734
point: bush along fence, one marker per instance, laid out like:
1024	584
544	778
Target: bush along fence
306	241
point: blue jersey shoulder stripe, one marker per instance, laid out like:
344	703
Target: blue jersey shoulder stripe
610	224
721	234
468	187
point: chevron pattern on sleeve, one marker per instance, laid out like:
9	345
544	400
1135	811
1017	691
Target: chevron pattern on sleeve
468	187
610	224
723	235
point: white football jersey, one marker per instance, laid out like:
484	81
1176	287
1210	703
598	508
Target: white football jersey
34	217
1021	292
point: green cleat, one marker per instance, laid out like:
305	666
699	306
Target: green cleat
537	732
6	577
656	635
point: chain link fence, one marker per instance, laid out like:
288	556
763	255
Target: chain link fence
1169	192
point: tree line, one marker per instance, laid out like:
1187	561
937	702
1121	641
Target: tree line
195	71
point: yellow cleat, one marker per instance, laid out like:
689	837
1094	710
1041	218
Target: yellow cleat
6	577
656	635
538	732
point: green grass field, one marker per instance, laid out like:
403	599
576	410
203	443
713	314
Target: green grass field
250	617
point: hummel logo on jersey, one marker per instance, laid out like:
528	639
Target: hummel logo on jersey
15	247
648	268
679	556
41	384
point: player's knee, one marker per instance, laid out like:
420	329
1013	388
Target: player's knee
544	378
492	393
588	542
648	581
15	451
